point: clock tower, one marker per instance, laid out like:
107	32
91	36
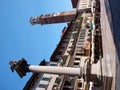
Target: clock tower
58	17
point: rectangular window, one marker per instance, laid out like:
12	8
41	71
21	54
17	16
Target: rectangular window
79	84
45	79
80	44
71	41
52	64
76	63
79	54
81	40
42	85
71	47
77	58
46	21
65	41
81	37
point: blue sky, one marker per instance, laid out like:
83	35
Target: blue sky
20	39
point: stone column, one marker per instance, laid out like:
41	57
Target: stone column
55	70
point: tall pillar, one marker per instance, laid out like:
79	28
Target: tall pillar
55	70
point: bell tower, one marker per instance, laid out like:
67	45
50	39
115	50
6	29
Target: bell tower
58	17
